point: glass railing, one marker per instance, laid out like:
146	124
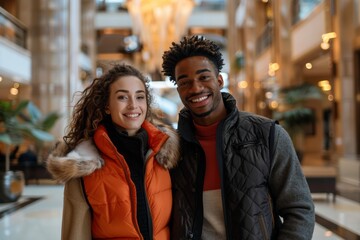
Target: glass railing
264	40
120	5
302	9
12	29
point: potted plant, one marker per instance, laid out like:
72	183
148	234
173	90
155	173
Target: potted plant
293	113
18	122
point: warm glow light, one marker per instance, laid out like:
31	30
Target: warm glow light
328	233
327	36
242	84
308	66
16	85
325	40
274	104
325	85
326	88
14	91
262	105
325	45
268	95
271	73
273	67
0	78
158	23
331	97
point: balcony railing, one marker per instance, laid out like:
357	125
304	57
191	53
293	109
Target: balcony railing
264	40
302	8
12	29
120	5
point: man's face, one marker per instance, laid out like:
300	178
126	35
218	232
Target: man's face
199	86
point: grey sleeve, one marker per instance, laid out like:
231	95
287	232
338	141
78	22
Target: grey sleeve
290	191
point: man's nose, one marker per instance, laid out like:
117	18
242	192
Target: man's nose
196	86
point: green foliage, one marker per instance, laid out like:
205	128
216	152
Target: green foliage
294	119
297	116
298	94
24	121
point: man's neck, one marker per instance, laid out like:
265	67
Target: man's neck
212	118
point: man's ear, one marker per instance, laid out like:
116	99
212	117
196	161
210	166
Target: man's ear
220	81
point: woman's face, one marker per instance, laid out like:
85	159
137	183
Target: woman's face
127	103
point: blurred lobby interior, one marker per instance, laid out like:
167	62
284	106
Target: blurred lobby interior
297	61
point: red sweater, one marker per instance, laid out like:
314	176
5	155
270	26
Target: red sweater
207	138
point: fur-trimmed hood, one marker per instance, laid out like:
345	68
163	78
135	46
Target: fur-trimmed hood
85	158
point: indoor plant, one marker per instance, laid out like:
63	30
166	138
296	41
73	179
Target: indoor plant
293	113
18	122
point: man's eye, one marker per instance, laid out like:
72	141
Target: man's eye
182	83
205	77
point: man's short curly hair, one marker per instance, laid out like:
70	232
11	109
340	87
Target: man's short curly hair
189	47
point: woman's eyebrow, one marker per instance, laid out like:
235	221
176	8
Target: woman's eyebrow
127	91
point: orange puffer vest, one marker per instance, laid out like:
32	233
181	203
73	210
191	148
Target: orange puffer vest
112	194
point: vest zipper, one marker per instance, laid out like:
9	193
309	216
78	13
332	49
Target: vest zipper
263	227
150	225
272	211
199	185
219	154
132	193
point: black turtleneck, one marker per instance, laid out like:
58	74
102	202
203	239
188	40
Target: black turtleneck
133	149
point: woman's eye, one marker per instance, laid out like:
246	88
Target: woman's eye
122	97
141	97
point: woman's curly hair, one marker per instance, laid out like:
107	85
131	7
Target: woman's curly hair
189	47
89	111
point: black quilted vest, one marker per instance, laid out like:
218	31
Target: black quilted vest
243	153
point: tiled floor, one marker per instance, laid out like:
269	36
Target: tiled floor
38	213
41	218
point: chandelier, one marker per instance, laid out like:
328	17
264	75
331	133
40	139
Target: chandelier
158	23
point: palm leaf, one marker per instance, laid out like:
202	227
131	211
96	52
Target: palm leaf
298	94
24	121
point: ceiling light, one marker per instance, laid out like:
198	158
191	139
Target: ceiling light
158	23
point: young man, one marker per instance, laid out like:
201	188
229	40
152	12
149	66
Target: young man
239	177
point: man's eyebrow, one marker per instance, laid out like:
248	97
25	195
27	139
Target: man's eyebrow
181	76
197	72
203	70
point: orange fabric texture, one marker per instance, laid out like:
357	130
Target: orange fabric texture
112	194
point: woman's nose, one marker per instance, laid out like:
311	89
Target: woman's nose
132	104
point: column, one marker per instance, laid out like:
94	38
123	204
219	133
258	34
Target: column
54	44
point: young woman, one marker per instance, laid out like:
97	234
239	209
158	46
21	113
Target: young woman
115	162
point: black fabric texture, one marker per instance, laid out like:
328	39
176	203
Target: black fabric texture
129	147
245	157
